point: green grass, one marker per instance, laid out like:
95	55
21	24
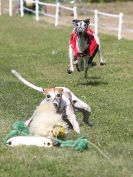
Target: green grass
27	46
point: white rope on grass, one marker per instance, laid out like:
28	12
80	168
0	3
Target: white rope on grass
101	152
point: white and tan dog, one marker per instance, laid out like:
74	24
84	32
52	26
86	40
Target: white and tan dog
65	101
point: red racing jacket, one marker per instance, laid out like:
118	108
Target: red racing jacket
92	46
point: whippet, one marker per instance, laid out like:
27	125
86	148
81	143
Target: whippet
83	47
65	101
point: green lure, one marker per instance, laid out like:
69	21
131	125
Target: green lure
80	144
18	128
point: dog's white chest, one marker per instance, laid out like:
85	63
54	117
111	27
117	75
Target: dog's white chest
44	120
81	45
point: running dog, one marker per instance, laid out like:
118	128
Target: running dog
65	101
83	47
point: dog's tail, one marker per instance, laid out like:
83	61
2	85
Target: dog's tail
19	77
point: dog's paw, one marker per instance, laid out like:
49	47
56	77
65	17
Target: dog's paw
102	63
90	124
69	71
93	64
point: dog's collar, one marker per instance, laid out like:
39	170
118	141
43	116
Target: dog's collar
83	54
58	109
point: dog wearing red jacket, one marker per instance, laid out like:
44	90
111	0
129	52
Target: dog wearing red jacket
83	47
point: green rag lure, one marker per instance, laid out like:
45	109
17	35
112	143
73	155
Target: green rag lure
80	144
18	128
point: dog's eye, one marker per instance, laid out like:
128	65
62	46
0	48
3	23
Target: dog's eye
85	25
58	95
48	96
48	143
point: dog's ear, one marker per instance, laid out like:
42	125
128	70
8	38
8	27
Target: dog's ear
45	91
61	90
87	21
75	21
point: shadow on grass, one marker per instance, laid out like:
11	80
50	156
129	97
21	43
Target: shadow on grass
94	81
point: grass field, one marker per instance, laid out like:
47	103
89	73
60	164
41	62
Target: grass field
40	53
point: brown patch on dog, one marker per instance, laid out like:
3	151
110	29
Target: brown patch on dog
47	90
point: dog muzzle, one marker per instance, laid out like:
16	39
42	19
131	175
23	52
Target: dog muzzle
56	103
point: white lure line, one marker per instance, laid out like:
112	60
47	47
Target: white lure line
39	89
30	140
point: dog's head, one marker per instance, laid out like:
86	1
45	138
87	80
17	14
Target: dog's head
54	95
80	26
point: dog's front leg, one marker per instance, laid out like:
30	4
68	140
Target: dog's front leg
73	121
72	117
70	68
102	62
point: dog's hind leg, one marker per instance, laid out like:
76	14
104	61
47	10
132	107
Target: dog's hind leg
101	61
85	110
81	106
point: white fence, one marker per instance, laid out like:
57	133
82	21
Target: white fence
0	7
119	18
57	6
120	21
97	24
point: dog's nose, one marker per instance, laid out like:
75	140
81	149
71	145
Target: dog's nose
55	104
80	29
